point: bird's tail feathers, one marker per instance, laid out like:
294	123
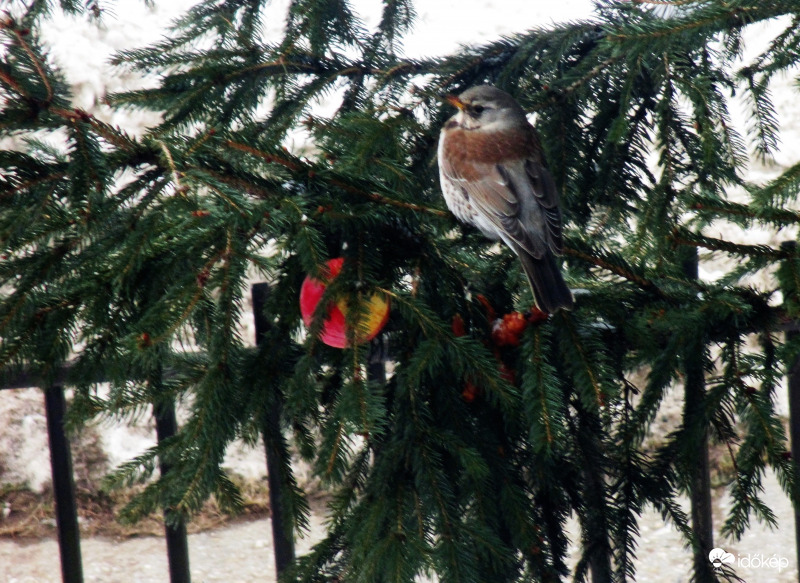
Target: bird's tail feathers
550	291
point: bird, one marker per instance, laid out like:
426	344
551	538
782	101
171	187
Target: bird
493	176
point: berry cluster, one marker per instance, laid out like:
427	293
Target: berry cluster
505	332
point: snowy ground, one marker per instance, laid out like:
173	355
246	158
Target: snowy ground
243	552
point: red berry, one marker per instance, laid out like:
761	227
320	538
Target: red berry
458	326
490	313
202	277
469	393
515	323
144	340
536	315
506	332
500	336
508	374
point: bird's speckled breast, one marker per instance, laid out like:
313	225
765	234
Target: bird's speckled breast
457	199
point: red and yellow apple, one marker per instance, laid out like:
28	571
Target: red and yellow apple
334	330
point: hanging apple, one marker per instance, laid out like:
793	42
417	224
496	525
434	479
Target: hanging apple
334	329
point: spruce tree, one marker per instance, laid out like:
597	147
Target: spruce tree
132	256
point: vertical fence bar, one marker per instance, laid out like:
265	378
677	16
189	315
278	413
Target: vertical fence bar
794	434
69	538
788	277
376	361
700	494
175	533
599	547
694	406
282	537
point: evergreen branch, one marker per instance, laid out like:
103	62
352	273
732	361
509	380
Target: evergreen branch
13	84
33	59
734	14
112	135
783	188
185	504
248	184
167	334
391	201
785	45
298	167
642	282
223	254
586	362
29	185
536	356
84	144
590	75
781	216
681	236
335	450
665	2
329	68
764	118
292	165
180	189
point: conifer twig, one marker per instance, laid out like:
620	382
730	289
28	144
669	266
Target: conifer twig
297	166
618	270
13	84
684	237
175	178
35	61
665	2
585	361
686	26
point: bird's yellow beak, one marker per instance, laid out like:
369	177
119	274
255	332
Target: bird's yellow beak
455	102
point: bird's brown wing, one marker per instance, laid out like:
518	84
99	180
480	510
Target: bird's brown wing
546	194
518	197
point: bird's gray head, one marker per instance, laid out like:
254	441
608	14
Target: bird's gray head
486	107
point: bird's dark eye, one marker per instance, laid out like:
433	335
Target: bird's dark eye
478	109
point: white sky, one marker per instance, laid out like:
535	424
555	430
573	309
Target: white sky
441	25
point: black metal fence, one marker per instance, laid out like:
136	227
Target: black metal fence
283	543
166	426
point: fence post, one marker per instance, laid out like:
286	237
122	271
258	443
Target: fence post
787	276
275	446
694	406
69	538
376	361
794	432
177	542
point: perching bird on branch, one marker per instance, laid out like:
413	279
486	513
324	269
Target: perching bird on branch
493	177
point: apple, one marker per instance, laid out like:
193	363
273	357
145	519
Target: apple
334	329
